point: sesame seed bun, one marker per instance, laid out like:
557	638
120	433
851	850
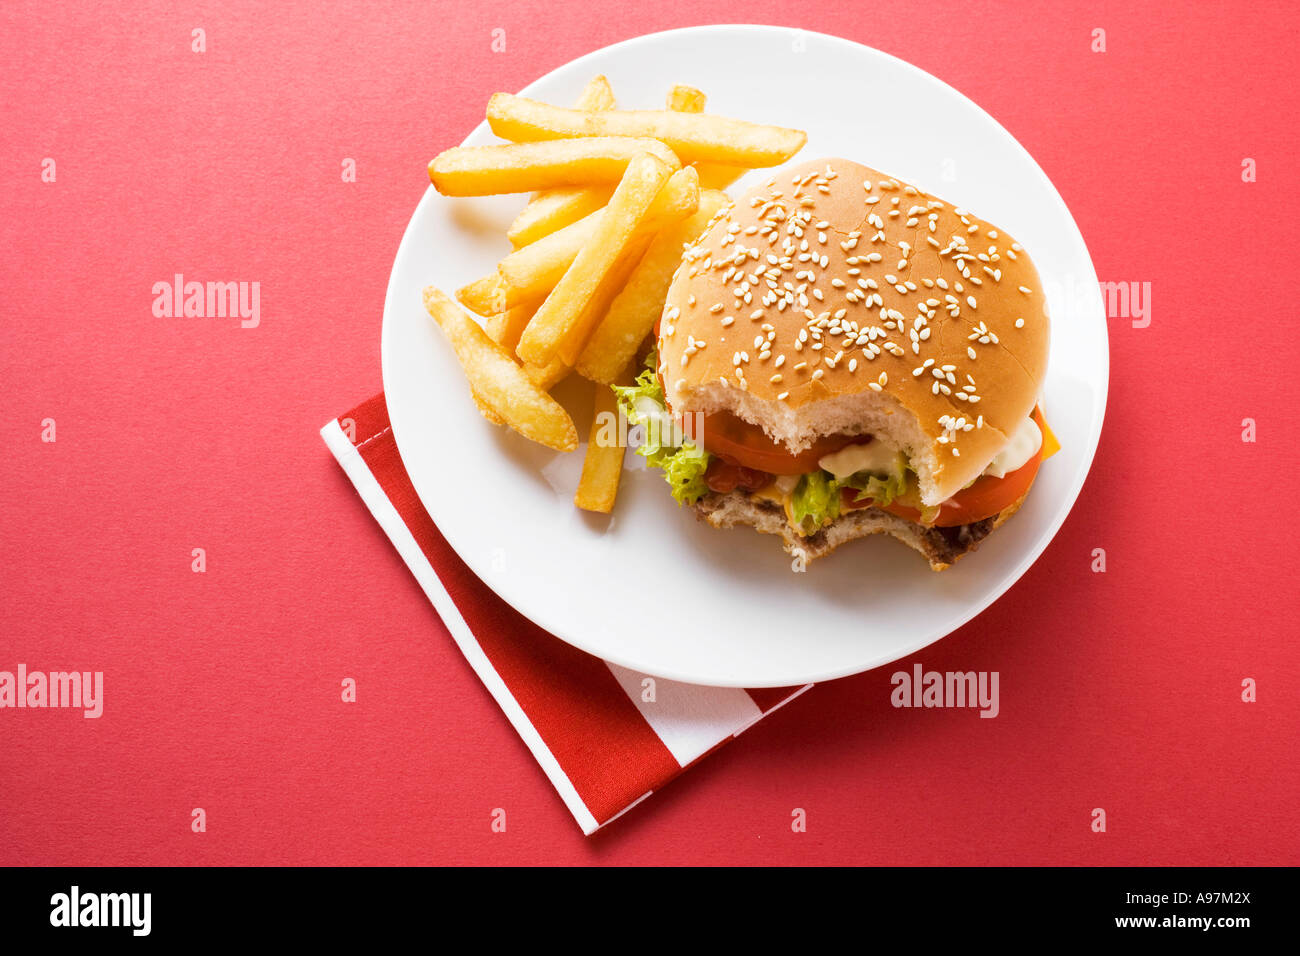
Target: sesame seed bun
793	311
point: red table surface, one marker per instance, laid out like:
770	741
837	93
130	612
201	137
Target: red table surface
1119	690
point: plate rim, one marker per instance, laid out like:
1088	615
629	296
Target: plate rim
978	606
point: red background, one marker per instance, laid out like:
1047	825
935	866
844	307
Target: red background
1119	690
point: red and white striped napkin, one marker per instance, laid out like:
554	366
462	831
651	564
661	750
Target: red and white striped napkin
602	746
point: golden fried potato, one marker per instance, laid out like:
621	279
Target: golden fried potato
637	307
523	167
603	463
553	209
693	137
497	381
556	318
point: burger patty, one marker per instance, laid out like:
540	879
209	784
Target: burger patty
940	546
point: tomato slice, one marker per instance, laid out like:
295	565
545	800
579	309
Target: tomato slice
737	442
987	497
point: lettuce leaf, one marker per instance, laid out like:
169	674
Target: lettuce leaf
815	501
646	386
882	490
663	445
683	469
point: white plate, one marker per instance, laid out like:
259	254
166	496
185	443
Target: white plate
652	588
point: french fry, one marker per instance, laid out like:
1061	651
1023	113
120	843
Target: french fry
718	176
484	296
617	225
637	307
596	95
497	381
554	209
558	208
486	410
522	167
547	376
603	463
601	301
504	328
529	274
693	137
575	341
687	99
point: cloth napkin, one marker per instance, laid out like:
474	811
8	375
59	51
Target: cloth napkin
604	748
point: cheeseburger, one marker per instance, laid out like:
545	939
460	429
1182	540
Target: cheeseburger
842	354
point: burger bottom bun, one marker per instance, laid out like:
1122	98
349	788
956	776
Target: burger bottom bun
940	546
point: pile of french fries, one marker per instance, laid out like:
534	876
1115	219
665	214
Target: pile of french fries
616	196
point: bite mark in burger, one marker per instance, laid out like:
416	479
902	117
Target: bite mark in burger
857	357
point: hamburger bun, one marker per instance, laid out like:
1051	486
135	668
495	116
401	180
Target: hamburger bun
834	298
942	547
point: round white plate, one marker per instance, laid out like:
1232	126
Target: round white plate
650	587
